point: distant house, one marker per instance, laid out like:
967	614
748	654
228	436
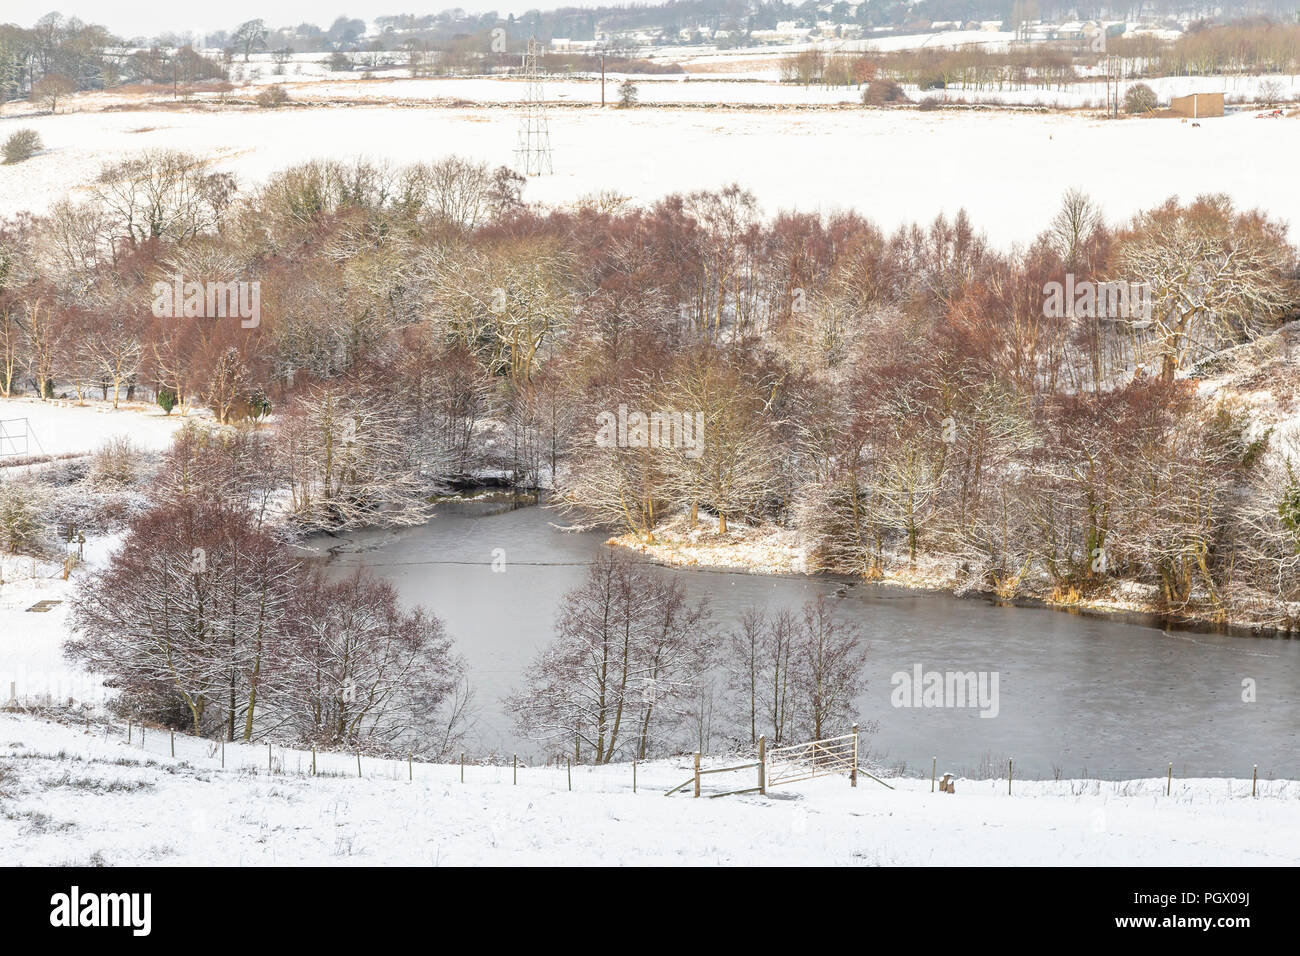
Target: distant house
1197	105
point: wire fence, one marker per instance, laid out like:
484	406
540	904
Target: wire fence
719	774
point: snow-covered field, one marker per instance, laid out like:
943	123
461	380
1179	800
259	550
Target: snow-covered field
66	427
67	797
1013	169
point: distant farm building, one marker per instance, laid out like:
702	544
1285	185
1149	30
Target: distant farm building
1197	105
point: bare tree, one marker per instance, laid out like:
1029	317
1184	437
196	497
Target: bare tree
627	656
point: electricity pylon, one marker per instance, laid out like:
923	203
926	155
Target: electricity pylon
533	154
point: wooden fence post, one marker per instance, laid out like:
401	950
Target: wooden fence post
128	730
934	763
634	775
697	773
568	766
173	737
462	767
853	774
514	773
410	765
269	767
142	735
762	764
1254	779
1169	783
1008	776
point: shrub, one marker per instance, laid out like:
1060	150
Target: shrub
23	144
273	96
929	103
880	92
259	406
1271	93
22	516
116	462
166	399
627	94
1139	99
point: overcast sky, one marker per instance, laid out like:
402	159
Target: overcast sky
151	17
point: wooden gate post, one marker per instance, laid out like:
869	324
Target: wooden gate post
762	764
697	773
853	773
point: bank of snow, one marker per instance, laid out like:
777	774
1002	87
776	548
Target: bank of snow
71	798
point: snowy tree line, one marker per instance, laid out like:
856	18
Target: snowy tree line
901	400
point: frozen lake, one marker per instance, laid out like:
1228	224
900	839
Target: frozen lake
1088	696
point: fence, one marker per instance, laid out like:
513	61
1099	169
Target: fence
17	437
776	767
790	764
830	755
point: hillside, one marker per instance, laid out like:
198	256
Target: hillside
71	798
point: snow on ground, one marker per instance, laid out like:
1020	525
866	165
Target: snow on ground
894	166
65	427
754	87
68	797
1093	93
651	90
33	671
32	667
760	550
